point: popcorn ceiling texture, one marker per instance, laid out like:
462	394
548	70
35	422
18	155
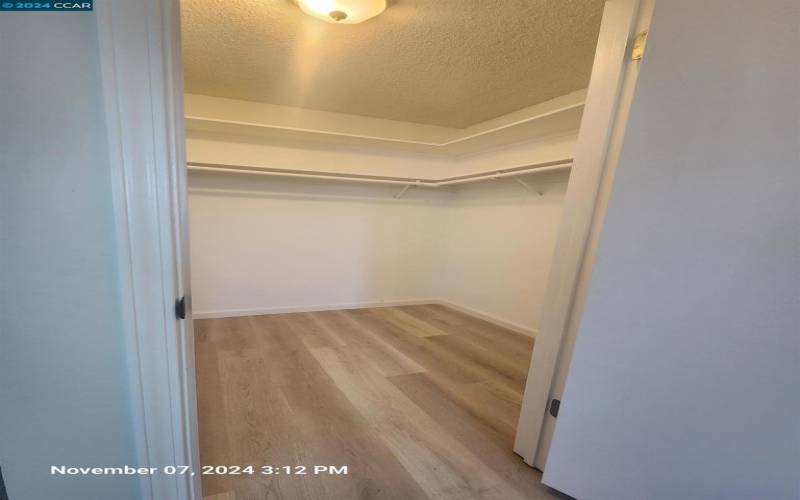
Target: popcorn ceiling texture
442	62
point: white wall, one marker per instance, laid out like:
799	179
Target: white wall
498	246
685	375
261	245
270	244
63	387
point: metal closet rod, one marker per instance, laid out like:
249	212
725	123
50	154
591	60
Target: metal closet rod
377	179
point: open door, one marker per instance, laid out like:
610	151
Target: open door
684	378
611	88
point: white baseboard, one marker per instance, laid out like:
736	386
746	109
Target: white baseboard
230	313
516	327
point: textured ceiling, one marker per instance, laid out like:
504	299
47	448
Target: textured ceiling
442	62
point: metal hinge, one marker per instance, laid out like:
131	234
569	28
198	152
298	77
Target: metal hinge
555	404
638	46
180	308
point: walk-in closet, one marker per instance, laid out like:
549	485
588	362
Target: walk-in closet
373	212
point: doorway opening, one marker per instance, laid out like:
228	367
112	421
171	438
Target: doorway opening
373	211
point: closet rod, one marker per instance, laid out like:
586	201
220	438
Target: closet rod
406	181
282	173
501	174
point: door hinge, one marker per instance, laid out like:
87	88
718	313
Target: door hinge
555	404
638	46
180	308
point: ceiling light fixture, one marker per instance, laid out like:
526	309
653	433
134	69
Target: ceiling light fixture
343	11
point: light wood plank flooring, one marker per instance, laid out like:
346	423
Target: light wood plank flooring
418	402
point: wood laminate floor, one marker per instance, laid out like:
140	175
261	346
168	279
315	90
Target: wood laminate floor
418	402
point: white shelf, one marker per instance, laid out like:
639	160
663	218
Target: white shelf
276	125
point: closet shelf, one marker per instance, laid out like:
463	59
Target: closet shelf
551	122
512	171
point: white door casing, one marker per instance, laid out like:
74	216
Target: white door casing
143	96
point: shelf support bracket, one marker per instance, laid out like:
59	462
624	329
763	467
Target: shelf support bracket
403	191
527	186
523	183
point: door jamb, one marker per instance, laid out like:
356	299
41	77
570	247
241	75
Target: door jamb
142	87
584	205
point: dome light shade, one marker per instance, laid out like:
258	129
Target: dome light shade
343	11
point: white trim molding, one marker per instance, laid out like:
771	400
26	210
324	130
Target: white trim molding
231	313
142	87
495	320
490	318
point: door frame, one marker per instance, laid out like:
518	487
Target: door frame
142	84
611	89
